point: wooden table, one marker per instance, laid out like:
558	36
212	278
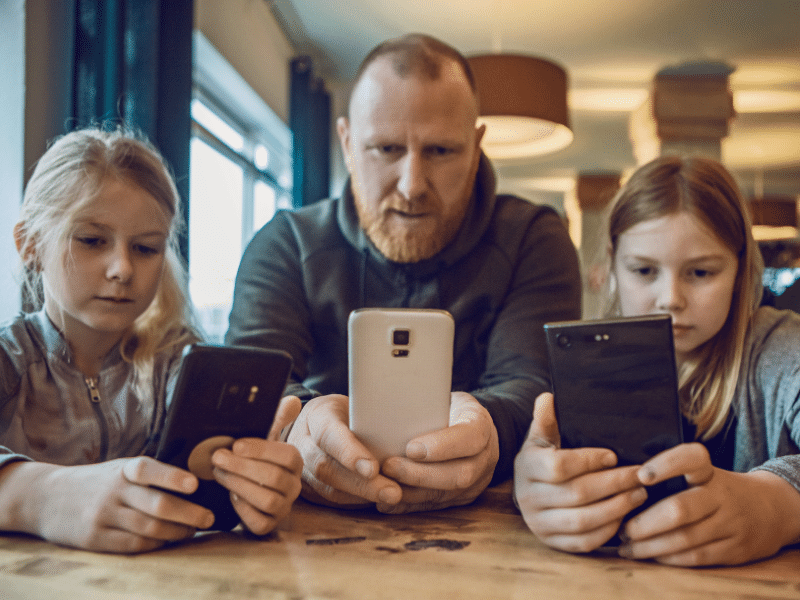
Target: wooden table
483	551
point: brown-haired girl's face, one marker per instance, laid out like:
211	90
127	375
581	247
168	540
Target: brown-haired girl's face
675	264
111	268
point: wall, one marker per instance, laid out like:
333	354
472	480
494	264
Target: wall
247	35
12	99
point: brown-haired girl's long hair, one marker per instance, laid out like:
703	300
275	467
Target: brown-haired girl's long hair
705	189
67	178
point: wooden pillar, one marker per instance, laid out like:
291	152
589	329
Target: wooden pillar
687	114
594	193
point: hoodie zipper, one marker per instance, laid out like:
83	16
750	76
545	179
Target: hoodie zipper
94	393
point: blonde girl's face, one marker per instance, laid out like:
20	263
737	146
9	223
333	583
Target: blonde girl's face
111	268
676	265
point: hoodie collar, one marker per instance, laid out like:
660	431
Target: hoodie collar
476	221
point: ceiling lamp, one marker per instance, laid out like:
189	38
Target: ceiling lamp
523	102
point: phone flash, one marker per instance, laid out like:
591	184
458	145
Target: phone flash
601	338
253	391
399	352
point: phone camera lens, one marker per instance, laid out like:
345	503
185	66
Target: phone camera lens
400	337
563	341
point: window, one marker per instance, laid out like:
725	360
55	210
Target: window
240	175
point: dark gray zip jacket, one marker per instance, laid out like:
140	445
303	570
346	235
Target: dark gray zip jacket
511	268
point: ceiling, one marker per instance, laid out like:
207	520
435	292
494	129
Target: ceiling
610	50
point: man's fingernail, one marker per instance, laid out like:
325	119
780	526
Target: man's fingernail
416	451
364	468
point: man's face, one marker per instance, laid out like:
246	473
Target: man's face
412	150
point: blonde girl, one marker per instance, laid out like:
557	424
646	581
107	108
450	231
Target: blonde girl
681	243
85	380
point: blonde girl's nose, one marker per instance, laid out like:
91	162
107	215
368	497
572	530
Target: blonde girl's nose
120	267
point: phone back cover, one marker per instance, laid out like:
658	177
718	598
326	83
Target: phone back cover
215	396
615	385
396	398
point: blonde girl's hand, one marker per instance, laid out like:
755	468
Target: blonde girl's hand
724	518
288	411
263	477
571	499
115	506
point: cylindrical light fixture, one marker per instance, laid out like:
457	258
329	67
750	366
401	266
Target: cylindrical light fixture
523	101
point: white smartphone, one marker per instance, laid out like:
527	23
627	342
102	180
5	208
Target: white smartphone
400	371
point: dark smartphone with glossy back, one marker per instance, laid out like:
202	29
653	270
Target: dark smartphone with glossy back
615	386
222	393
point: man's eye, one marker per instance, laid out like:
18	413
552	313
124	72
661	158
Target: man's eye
390	148
440	151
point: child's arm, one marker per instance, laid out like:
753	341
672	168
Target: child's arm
108	507
723	518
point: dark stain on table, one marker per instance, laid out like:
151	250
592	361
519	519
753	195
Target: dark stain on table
335	541
442	544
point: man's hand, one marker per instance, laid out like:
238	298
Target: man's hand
449	467
571	499
338	469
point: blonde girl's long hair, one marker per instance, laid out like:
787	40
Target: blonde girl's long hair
67	178
705	189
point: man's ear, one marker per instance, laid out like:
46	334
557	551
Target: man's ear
25	247
343	129
479	131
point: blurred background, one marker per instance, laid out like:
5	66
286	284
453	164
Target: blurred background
241	96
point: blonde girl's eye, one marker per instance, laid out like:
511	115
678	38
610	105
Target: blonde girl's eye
89	241
148	249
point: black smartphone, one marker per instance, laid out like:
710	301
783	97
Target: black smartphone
222	393
615	386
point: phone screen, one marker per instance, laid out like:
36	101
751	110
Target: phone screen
615	386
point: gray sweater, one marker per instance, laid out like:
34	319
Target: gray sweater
767	402
48	411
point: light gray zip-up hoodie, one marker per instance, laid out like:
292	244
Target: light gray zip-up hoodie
50	412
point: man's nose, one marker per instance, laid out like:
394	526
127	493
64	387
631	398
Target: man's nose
413	180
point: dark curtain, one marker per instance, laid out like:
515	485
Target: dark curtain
133	65
310	123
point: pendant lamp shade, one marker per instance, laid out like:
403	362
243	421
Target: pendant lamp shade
523	102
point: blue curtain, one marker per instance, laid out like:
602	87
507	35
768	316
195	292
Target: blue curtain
310	123
133	64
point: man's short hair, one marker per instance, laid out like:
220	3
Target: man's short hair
416	54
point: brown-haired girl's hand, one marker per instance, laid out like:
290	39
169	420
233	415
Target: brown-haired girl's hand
723	518
572	499
113	506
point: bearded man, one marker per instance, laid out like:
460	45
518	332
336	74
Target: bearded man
418	225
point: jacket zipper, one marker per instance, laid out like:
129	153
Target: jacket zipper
91	383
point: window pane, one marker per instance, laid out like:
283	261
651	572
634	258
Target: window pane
216	125
263	204
215	234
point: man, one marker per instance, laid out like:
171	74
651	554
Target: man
418	225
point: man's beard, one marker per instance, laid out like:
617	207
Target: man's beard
408	244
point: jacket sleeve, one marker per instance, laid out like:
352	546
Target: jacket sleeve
776	377
546	287
269	304
9	390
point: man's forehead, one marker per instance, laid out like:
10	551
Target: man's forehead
381	78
